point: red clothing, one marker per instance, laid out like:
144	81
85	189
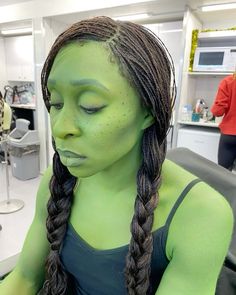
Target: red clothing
225	104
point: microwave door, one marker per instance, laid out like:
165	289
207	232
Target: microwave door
219	59
212	60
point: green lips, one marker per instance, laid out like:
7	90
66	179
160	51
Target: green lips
70	159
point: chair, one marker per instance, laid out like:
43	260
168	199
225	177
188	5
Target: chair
224	182
10	205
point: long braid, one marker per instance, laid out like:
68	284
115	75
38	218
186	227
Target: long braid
59	205
145	62
152	82
141	244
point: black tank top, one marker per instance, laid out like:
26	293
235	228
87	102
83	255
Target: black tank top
101	272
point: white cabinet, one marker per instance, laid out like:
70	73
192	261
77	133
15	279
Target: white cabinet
19	58
203	141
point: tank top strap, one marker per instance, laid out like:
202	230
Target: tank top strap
180	199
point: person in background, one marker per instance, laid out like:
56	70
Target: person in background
225	105
113	216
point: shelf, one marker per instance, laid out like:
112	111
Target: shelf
202	124
220	34
24	106
210	74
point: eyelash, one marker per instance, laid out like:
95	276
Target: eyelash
89	111
57	106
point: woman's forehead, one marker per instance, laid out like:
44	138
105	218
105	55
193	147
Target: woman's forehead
77	50
89	61
86	57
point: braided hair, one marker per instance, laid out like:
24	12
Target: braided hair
146	63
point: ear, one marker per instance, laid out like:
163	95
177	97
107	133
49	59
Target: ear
148	121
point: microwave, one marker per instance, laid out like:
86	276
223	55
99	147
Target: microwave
215	59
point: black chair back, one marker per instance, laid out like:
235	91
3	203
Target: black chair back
224	182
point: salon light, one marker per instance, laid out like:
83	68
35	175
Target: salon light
17	31
132	17
171	31
218	7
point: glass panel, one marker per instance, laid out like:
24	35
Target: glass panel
211	58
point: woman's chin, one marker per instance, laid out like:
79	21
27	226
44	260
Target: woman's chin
79	172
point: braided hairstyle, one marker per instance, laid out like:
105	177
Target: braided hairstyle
146	63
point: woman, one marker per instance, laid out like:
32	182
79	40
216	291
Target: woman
225	105
120	219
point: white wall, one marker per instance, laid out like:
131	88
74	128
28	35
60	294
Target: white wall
41	115
184	93
52	30
171	34
3	74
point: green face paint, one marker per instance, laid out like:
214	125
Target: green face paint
96	116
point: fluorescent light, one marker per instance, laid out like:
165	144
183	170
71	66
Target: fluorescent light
218	7
171	31
16	31
132	17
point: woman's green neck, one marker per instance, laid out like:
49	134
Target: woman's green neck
118	177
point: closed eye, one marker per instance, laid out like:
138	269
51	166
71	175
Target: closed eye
91	110
57	106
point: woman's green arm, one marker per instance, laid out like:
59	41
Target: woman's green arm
198	241
28	276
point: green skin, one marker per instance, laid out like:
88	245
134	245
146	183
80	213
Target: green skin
96	113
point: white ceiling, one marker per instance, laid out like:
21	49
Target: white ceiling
192	3
10	2
213	16
159	9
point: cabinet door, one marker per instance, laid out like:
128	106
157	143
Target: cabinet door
19	58
12	60
27	73
204	143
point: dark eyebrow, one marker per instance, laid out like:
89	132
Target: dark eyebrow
83	82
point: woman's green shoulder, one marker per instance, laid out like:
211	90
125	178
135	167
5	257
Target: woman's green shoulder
202	197
175	174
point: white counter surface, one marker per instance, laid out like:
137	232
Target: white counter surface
203	124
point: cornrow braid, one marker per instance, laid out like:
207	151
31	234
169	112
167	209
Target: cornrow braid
146	63
61	187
